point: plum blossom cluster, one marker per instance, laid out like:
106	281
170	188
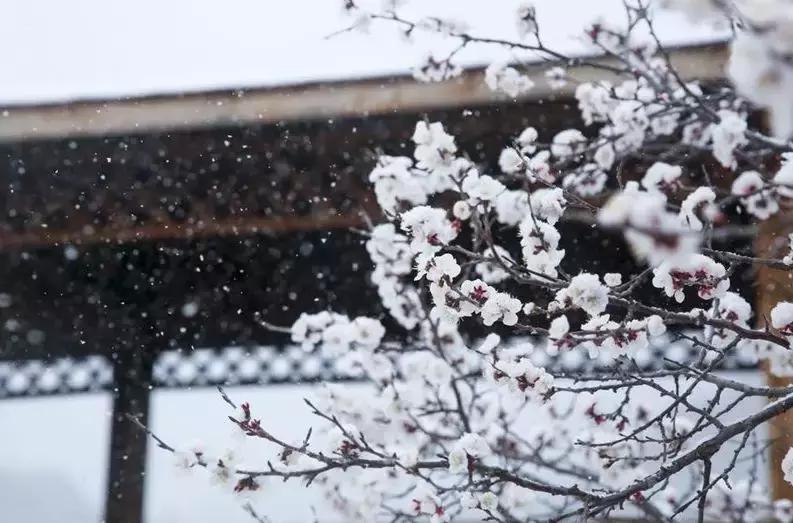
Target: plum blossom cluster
505	374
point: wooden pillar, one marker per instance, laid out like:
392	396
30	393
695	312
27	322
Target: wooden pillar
132	372
772	286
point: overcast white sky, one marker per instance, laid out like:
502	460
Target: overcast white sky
55	50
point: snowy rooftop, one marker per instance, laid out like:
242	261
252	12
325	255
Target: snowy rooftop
93	49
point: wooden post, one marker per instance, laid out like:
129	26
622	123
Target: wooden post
132	372
772	286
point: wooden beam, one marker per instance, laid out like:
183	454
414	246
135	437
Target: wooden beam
306	102
132	376
242	226
772	286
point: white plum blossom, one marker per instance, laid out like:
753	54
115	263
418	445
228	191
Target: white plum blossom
556	77
653	232
488	501
728	134
588	180
661	176
527	140
586	292
612	279
548	204
782	318
434	147
435	268
511	161
787	466
560	326
461	210
394	182
733	308
367	332
783	179
527	20
755	195
521	377
512	207
494	271
604	156
429	228
501	306
499	76
594	101
697	205
570	142
698	271
540	246
482	188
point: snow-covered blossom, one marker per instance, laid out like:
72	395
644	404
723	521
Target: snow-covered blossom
755	195
594	101
539	168
586	292
661	177
782	318
559	327
499	76
488	501
727	135
787	466
511	161
733	308
458	461
588	180
556	77
548	204
527	20
512	207
698	271
394	182
222	468
520	376
655	325
482	188
461	210
435	268
335	333
501	306
604	156
308	330
424	501
783	179
493	271
698	205
540	246
434	147
429	228
367	332
570	142
629	123
653	232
